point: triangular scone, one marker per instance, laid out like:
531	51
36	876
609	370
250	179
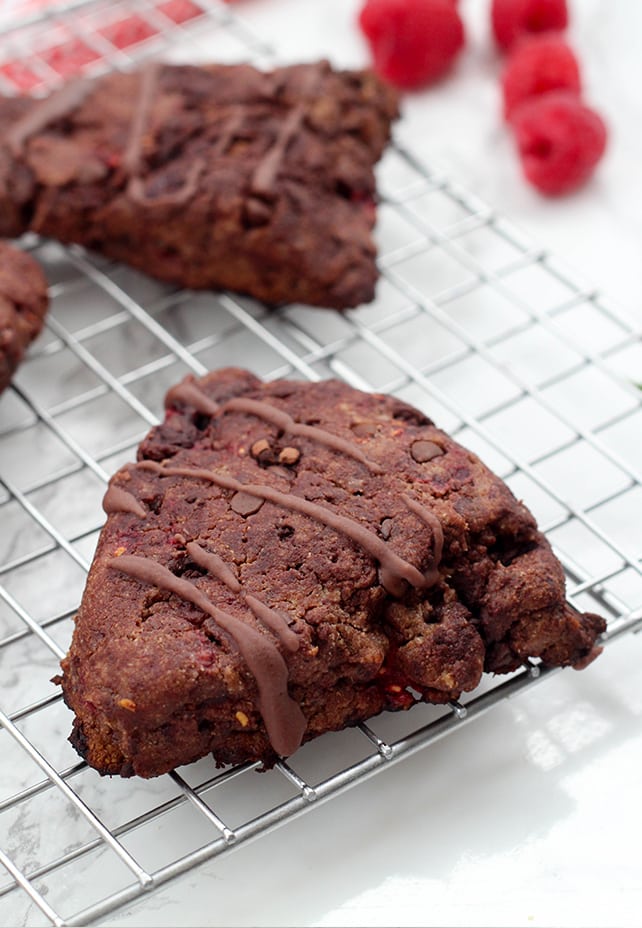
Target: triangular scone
290	558
220	176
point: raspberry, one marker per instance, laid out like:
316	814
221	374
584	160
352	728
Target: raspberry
180	11
413	42
69	58
20	74
129	31
537	66
560	141
513	19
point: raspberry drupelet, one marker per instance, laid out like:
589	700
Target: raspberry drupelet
514	19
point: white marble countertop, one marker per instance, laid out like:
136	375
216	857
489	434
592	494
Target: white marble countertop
531	816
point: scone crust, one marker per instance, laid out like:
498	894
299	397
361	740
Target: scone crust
23	306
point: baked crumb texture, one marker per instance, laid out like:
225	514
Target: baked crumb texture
289	558
208	177
23	305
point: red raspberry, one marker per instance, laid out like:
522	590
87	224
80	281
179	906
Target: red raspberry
537	66
513	19
413	42
180	11
69	58
560	141
129	31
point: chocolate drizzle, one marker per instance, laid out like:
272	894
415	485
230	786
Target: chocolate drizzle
431	520
54	107
133	155
275	621
117	499
148	83
284	721
137	192
266	171
281	715
394	569
214	564
231	128
189	393
284	421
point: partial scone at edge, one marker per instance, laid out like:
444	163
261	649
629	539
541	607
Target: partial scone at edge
23	305
290	558
218	176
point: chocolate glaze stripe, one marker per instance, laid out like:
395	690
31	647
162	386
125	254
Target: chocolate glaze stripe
117	499
132	156
214	564
431	520
276	622
262	183
284	721
234	123
53	107
189	392
146	91
136	188
284	421
273	620
266	171
393	569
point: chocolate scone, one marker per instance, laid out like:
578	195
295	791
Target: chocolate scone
220	176
23	305
290	558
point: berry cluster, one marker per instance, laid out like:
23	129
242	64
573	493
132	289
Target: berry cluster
559	138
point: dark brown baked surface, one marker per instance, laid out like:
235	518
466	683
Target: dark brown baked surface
290	558
23	305
219	176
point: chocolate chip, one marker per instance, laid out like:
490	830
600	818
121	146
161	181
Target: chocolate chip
422	451
289	456
256	212
259	447
281	471
263	452
364	429
245	504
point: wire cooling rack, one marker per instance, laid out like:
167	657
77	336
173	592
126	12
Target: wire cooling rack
511	354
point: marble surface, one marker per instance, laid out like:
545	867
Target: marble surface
531	816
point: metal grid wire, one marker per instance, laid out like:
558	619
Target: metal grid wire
512	355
